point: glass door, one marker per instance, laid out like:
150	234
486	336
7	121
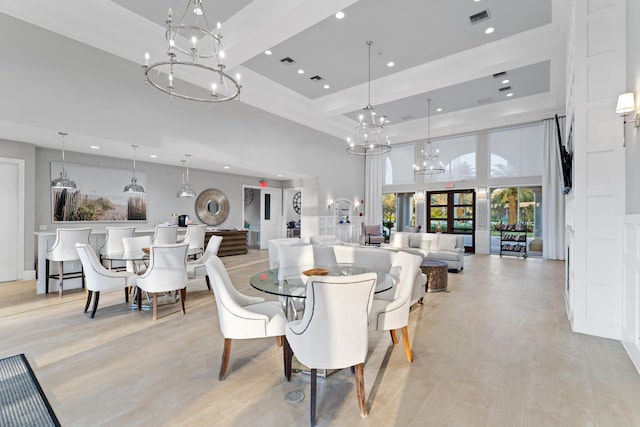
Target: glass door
453	212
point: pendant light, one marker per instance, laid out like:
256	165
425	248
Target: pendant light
63	182
133	186
185	190
429	161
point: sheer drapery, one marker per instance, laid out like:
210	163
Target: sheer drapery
374	175
553	201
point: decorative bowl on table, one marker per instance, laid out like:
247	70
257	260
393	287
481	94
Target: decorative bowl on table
146	250
316	272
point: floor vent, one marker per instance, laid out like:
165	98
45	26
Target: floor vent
479	17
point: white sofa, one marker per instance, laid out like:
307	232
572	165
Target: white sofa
366	256
435	246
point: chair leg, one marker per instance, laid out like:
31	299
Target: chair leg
95	304
314	380
407	345
60	279
362	401
83	278
206	279
287	355
126	294
154	305
225	359
47	269
183	296
139	298
89	294
394	337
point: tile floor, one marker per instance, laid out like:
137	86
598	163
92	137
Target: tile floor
495	350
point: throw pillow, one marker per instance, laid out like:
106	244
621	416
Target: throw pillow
425	244
415	241
447	242
399	240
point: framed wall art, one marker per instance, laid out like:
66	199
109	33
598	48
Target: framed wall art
99	196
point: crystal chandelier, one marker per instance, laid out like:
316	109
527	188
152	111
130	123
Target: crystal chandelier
63	182
194	53
369	129
429	161
185	190
133	186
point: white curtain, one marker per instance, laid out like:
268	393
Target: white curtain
553	201
374	175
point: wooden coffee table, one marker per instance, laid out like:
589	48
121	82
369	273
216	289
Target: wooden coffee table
437	274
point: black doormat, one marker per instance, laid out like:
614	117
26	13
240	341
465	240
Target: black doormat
22	402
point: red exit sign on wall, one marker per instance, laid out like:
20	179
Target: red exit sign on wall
448	185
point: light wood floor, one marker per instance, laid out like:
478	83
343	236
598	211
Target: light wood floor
495	350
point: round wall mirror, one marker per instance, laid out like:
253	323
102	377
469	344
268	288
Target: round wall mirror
212	206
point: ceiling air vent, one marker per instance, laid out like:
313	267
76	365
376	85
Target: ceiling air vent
479	17
287	61
316	78
502	89
500	74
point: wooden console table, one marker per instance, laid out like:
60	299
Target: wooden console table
234	242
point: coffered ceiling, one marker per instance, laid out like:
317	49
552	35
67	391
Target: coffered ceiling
437	54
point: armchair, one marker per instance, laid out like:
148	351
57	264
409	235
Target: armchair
333	332
373	235
241	316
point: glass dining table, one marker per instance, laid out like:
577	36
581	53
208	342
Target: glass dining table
291	282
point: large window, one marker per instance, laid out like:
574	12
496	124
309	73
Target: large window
398	211
398	165
459	157
516	151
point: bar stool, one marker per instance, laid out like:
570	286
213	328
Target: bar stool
113	242
64	249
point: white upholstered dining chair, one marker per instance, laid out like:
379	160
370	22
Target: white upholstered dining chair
293	260
333	331
197	267
135	244
241	316
167	272
165	235
195	237
64	250
113	243
393	313
99	279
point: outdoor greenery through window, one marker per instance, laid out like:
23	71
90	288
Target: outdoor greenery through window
517	205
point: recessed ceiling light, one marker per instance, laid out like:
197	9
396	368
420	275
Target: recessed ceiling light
267	52
153	156
340	15
390	64
438	109
300	71
489	30
505	81
279	175
510	94
476	1
225	167
94	147
326	86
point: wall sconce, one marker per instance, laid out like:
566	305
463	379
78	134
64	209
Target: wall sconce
419	196
329	203
481	194
627	104
356	203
